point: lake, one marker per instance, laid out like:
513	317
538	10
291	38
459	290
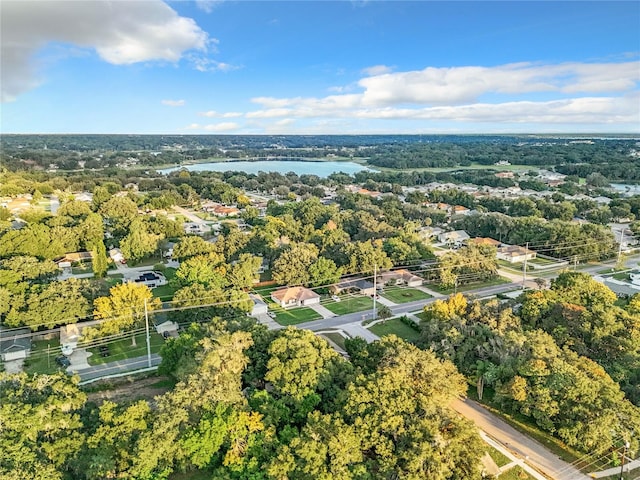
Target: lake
321	169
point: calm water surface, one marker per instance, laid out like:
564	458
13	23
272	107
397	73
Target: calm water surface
322	169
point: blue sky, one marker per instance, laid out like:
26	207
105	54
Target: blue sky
306	67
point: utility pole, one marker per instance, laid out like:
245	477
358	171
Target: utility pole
524	267
375	288
146	321
624	454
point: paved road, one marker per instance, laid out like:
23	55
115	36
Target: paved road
521	445
120	366
400	309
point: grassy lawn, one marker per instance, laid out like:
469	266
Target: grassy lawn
624	277
542	261
38	361
395	327
498	457
471	286
609	271
350	305
335	338
122	349
295	315
515	473
164	292
404	295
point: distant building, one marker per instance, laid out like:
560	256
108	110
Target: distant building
401	277
353	285
455	238
515	254
484	241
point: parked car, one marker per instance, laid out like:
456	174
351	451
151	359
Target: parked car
271	314
335	298
104	350
63	361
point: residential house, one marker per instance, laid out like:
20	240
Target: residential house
116	255
196	228
400	277
71	258
455	238
460	210
222	211
484	241
515	254
14	344
151	279
295	297
354	285
71	334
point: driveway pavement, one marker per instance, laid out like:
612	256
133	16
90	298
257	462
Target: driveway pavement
79	359
322	310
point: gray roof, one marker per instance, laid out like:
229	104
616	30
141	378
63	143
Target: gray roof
14	340
359	283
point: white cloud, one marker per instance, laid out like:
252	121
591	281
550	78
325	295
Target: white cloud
376	70
173	103
208	5
206	64
567	94
214	114
215	127
458	85
121	32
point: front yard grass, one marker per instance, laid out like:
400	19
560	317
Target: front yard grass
404	295
395	327
350	305
497	456
336	338
122	349
294	316
164	292
42	357
471	286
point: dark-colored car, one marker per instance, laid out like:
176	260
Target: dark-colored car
63	361
104	350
